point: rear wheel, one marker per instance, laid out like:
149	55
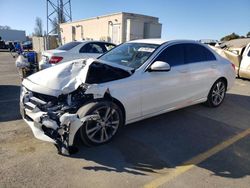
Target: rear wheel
217	93
96	132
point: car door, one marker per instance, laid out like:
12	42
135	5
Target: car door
166	90
203	67
245	63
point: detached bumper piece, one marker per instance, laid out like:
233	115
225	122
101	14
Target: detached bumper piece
58	127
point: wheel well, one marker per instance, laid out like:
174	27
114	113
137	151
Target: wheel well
118	103
223	79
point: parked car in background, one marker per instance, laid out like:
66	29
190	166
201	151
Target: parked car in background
10	45
136	80
74	50
27	45
238	52
2	44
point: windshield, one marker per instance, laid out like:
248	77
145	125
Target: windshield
130	54
68	46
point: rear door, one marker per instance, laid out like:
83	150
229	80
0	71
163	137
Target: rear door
203	67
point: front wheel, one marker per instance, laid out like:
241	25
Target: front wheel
217	93
97	132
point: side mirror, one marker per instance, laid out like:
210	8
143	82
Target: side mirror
159	66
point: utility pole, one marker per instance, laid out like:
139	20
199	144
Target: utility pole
58	11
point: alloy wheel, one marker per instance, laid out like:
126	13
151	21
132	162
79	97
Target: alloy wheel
103	129
218	93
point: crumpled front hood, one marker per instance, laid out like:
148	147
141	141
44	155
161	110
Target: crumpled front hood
67	77
60	79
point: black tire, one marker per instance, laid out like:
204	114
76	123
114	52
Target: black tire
92	108
217	94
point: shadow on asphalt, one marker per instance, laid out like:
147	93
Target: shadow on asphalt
9	103
169	140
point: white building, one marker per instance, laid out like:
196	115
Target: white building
116	28
12	35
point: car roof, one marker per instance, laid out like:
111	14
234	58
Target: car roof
86	41
149	41
162	41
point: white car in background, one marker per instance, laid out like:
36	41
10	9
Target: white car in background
74	50
136	80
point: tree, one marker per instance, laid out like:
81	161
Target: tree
230	37
38	30
248	34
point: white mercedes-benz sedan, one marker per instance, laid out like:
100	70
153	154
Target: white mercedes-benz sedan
135	80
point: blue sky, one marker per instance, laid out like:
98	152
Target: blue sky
181	19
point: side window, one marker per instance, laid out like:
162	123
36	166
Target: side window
108	46
197	53
173	55
92	48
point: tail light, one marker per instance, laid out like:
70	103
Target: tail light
55	59
233	65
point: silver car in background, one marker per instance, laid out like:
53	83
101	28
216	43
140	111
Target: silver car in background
74	50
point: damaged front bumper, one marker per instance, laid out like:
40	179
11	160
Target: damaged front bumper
59	129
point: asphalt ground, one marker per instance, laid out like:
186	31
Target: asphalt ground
192	147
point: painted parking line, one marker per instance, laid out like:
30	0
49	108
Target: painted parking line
196	160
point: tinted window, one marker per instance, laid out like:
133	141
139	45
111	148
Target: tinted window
92	48
197	53
68	46
173	55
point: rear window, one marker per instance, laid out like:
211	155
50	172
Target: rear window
68	46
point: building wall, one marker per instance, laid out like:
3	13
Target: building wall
39	43
94	29
12	35
135	27
116	28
